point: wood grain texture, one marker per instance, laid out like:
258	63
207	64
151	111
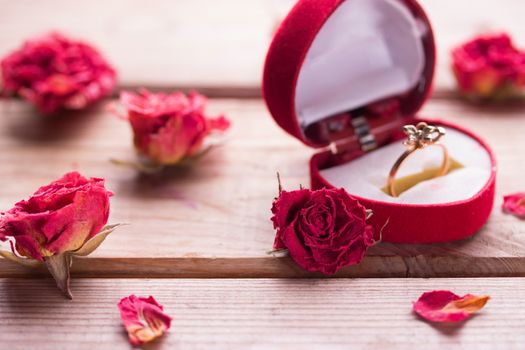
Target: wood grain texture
260	314
212	220
218	46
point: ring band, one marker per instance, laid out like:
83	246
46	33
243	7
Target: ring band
418	137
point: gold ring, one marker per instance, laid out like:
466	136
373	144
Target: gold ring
418	137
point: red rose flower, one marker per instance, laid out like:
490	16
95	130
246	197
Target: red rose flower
489	67
323	230
58	218
62	219
169	127
515	204
55	72
144	319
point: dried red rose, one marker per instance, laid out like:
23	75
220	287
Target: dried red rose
445	306
62	219
144	319
169	127
515	204
55	72
489	67
323	230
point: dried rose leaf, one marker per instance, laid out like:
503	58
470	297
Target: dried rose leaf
445	306
146	166
22	261
144	318
201	154
278	253
94	242
59	266
143	167
515	204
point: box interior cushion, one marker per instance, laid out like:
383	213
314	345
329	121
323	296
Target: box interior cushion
367	175
367	50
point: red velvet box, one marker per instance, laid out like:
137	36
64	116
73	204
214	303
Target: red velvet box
344	76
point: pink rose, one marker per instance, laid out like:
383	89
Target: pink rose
169	127
144	319
55	72
58	218
323	230
489	67
515	204
62	219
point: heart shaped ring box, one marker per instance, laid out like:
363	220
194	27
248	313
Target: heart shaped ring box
344	76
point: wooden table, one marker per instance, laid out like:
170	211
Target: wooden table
191	227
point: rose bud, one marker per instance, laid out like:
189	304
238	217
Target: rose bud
169	128
144	319
322	230
62	219
489	67
55	72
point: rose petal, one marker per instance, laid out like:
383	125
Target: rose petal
144	318
287	202
515	204
445	306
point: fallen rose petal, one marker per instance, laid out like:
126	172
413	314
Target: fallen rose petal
515	204
445	306
143	318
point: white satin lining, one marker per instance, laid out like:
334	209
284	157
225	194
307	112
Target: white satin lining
366	51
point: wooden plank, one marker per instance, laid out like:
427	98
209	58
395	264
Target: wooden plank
217	47
260	314
213	220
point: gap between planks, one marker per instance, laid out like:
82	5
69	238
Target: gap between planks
283	267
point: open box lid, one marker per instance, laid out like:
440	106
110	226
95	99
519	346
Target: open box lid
332	61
